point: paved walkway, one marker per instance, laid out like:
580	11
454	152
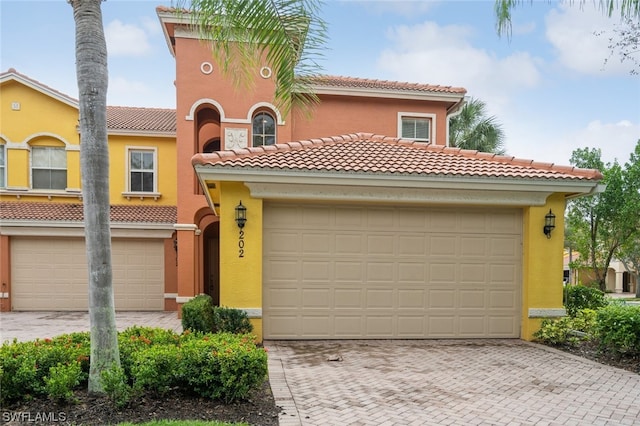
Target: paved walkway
464	382
26	326
410	382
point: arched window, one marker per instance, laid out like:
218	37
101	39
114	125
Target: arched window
264	129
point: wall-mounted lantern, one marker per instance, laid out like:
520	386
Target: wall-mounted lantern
549	223
241	215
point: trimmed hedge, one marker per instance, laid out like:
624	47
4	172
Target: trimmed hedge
221	366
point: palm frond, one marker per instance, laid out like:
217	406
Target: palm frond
288	35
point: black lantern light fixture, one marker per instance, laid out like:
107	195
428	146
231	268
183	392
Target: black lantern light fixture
241	215
549	223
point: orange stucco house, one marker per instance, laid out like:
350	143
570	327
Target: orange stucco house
360	221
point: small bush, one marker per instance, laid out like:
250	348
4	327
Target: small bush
25	365
156	368
560	331
116	386
618	328
579	297
223	365
231	320
197	314
62	380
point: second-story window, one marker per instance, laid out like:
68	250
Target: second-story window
417	128
3	167
264	129
142	170
48	167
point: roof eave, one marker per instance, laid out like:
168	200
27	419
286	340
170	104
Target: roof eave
387	93
457	189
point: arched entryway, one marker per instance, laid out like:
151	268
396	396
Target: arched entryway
211	261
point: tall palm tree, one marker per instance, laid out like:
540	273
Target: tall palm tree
472	129
91	70
286	31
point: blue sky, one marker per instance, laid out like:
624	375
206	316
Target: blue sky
548	85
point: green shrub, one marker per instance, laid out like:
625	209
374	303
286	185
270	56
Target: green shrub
155	368
231	320
581	297
25	365
560	331
62	380
197	314
222	366
618	328
116	386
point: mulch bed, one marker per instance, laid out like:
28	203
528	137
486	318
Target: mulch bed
259	409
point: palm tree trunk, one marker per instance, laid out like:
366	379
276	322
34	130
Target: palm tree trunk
92	74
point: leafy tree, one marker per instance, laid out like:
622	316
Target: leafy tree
629	255
627	42
603	223
472	129
92	75
629	251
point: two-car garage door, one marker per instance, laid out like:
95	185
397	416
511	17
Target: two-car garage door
51	274
352	272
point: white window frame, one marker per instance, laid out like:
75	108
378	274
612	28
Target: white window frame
32	168
419	115
3	166
129	193
275	127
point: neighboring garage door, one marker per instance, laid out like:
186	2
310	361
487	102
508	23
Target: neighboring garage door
51	274
349	272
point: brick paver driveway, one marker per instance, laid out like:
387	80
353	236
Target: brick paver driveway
464	382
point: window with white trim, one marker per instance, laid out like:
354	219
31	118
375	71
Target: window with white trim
415	126
3	167
48	167
142	170
264	129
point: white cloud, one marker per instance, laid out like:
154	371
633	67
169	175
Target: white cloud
615	140
127	92
580	37
126	39
435	54
523	28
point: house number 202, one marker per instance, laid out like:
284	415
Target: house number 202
241	244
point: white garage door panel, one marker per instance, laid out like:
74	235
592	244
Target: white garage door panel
51	274
385	272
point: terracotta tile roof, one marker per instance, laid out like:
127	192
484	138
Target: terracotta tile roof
141	119
374	154
365	83
15	210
